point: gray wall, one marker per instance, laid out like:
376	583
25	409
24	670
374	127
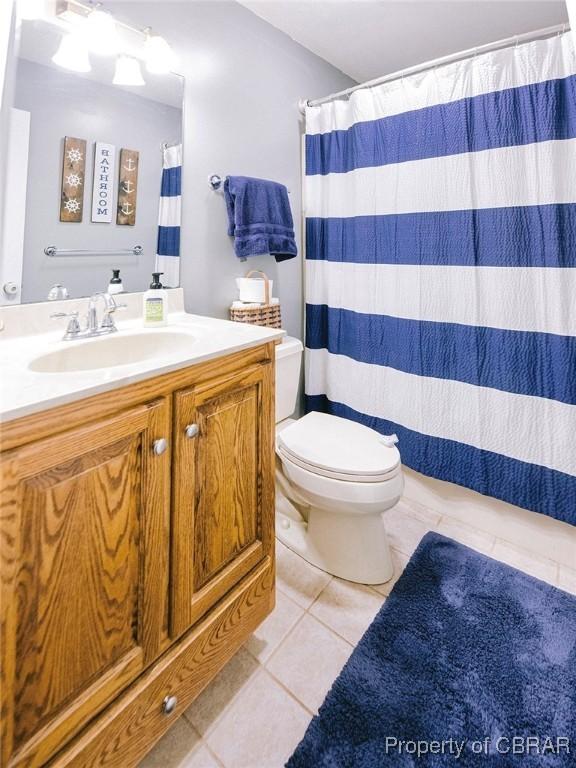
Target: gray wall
243	82
63	104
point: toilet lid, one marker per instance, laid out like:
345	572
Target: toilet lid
336	447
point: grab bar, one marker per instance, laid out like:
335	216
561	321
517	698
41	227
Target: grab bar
51	250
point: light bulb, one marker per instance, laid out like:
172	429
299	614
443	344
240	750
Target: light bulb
159	56
128	72
72	53
101	34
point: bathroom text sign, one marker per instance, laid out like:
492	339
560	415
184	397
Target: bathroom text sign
103	187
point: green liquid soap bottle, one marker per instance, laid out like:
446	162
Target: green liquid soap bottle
155	303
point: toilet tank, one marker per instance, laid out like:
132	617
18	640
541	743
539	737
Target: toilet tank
288	363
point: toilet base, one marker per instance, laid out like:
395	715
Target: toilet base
351	547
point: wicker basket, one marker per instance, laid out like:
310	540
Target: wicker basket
262	314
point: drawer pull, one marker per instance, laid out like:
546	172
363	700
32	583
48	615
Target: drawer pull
159	446
169	704
191	430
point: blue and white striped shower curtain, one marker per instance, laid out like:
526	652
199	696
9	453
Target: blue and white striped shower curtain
441	269
169	215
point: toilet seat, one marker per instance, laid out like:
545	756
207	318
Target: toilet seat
339	495
339	449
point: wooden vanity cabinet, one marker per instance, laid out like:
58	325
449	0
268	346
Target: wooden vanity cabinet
137	533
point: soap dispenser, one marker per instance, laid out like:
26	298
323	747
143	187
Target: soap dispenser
115	285
155	303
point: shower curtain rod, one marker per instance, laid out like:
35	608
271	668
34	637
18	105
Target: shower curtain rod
504	43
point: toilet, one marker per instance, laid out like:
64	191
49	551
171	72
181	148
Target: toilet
334	479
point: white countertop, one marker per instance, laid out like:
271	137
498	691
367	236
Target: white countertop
24	391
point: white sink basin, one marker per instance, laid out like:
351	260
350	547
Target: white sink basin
112	351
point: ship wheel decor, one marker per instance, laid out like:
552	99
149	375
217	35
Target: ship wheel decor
72	189
127	187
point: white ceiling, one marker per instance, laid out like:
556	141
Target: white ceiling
369	38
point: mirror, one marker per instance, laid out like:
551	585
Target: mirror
91	167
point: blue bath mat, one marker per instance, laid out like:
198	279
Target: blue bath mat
469	663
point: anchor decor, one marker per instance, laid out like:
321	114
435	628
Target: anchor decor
103	183
72	189
127	187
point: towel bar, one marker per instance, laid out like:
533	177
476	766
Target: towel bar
215	181
51	250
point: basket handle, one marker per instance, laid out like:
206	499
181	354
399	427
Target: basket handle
266	283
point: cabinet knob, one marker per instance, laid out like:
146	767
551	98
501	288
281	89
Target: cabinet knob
169	704
159	446
191	430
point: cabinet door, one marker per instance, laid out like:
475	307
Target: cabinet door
84	566
223	488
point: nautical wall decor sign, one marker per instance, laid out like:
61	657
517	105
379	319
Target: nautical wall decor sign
103	184
73	168
127	187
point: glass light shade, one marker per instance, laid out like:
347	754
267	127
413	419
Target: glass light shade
128	72
101	34
159	56
29	10
72	54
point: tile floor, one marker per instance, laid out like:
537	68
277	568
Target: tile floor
256	710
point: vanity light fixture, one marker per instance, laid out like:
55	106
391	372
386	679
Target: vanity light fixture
101	33
95	30
72	53
159	56
127	72
30	10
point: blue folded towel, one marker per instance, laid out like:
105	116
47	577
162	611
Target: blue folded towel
259	218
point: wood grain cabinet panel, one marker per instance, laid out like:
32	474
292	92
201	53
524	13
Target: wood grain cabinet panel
223	493
84	567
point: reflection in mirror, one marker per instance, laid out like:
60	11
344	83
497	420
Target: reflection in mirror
93	181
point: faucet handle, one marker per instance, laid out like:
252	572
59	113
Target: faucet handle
73	328
110	304
57	292
65	314
108	320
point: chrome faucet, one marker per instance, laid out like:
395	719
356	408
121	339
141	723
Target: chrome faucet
92	326
107	325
